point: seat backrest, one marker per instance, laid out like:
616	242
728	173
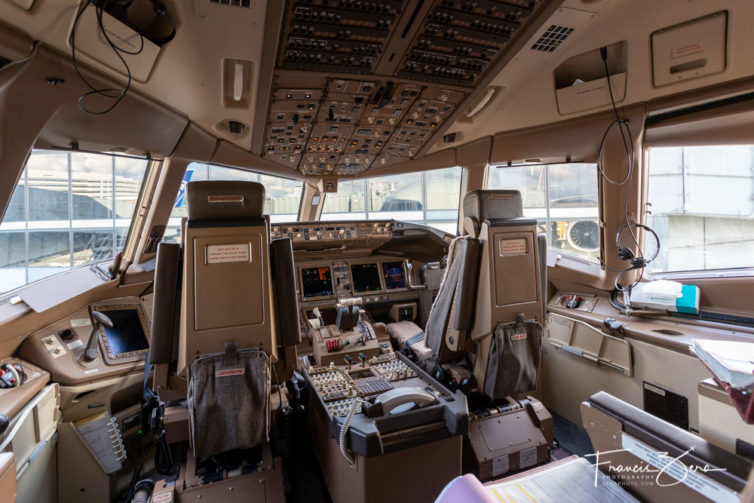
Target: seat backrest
226	295
227	337
511	270
512	273
496	271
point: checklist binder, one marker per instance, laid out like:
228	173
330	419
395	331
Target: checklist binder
732	365
102	435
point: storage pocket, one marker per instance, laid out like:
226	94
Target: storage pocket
514	359
228	401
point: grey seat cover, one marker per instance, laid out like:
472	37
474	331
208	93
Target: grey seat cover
514	359
228	401
454	303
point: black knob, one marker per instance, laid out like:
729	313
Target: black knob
4	423
67	334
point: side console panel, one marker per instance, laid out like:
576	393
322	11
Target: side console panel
60	347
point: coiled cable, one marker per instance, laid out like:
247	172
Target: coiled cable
344	430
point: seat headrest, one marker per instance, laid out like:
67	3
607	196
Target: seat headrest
219	199
492	205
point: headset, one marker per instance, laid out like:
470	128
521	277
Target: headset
625	253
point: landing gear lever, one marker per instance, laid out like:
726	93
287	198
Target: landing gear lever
98	320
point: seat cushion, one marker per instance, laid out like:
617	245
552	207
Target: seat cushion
492	205
220	199
408	333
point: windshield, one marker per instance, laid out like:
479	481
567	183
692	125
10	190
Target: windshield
429	198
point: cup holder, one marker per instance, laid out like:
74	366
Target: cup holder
667	331
67	334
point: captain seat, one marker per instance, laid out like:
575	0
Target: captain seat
217	346
226	337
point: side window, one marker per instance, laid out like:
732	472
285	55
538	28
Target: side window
67	210
429	198
564	200
702	207
282	195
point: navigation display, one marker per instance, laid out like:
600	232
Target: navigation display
127	333
365	278
393	274
316	282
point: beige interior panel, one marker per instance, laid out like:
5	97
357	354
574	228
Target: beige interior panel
719	421
89	40
689	50
675	333
14	45
8	476
222	29
243	276
30	438
39	483
583	340
228	294
515	267
568	380
84	400
87	482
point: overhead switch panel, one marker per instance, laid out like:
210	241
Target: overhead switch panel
363	83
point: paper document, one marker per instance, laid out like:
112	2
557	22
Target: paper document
731	362
101	434
576	479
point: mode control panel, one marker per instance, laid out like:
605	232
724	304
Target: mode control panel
318	231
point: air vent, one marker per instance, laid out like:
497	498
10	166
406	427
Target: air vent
552	38
233	3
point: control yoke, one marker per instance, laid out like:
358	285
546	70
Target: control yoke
408	267
98	320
